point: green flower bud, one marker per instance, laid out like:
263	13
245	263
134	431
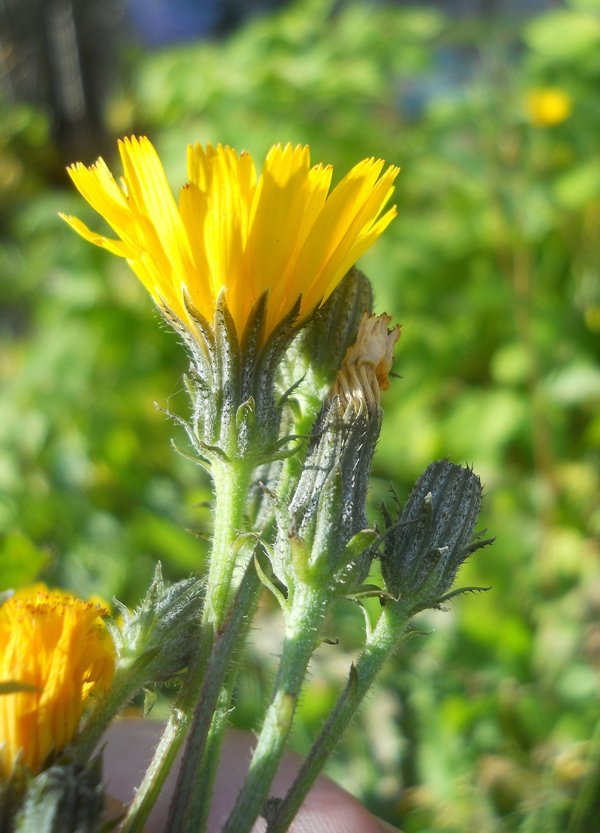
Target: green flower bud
334	328
425	547
64	798
156	639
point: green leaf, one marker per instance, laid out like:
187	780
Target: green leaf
578	186
576	384
564	34
21	561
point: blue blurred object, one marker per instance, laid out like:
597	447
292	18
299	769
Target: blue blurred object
160	22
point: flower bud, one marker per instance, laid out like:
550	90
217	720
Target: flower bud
63	799
304	377
334	328
425	547
328	507
157	638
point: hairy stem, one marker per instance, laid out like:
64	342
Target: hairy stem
191	799
303	625
231	481
384	638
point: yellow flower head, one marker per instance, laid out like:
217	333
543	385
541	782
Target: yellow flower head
281	232
548	106
57	646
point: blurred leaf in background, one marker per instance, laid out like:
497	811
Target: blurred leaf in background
493	269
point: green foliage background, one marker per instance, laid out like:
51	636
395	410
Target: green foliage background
493	269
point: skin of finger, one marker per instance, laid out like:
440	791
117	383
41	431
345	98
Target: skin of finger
129	745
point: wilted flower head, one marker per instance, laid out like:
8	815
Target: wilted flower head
367	363
56	647
328	507
233	231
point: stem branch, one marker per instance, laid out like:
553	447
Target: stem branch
386	635
231	481
189	807
303	625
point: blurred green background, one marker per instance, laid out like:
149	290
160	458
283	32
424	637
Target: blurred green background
492	267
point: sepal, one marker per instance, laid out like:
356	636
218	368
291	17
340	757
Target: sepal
231	381
12	791
264	571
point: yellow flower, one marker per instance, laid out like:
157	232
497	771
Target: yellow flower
57	646
548	106
281	232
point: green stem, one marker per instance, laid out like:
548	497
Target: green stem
586	811
382	641
206	773
303	625
125	685
231	481
171	740
189	808
202	755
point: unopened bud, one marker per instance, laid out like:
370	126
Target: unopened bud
64	798
305	376
334	327
425	547
159	634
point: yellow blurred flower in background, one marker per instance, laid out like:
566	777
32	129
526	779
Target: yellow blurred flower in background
281	233
548	106
57	646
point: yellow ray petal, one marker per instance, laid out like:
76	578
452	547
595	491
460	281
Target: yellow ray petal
97	185
292	282
335	270
281	211
338	213
153	204
117	247
367	207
